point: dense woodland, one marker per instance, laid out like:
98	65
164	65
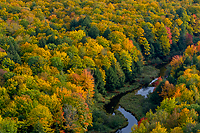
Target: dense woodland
59	59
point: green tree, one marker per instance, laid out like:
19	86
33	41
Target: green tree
120	75
57	62
106	33
111	79
87	22
93	32
42	42
37	63
98	80
8	125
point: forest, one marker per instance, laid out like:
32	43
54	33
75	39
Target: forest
61	59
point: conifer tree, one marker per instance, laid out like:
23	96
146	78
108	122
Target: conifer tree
98	79
93	32
86	22
111	79
42	42
106	33
73	23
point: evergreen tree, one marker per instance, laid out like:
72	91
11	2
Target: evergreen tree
16	58
106	33
57	62
58	41
80	21
98	79
51	39
174	47
42	42
182	42
48	32
67	40
111	79
180	12
86	22
149	36
154	97
158	49
73	23
38	128
93	32
12	51
120	74
37	30
84	40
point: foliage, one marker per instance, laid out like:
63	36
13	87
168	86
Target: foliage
55	55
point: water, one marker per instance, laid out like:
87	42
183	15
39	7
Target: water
131	121
144	91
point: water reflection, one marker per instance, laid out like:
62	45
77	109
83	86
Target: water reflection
131	121
145	91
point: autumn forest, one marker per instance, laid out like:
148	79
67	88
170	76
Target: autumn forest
62	60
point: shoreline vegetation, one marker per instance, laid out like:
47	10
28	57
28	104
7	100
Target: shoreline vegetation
148	74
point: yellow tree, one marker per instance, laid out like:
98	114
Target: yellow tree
40	114
168	90
159	129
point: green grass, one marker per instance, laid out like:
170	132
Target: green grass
148	73
127	87
136	104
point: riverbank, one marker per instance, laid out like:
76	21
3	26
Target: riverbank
137	105
148	73
106	122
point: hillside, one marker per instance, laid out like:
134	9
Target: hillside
61	59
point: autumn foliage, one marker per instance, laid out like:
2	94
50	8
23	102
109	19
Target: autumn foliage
58	58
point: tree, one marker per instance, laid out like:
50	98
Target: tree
111	79
12	51
106	33
86	22
120	75
98	80
8	125
73	24
167	105
42	115
125	60
5	98
36	63
7	64
117	37
57	62
93	32
159	129
42	42
168	90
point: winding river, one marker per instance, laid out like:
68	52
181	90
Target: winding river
114	104
131	119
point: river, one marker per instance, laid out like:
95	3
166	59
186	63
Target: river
131	119
144	91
